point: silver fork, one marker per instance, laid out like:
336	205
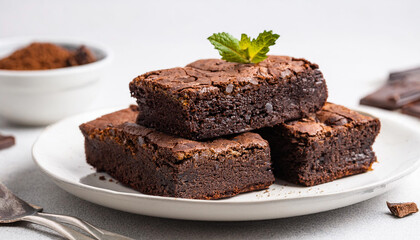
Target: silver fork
14	209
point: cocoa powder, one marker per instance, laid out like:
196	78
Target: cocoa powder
42	56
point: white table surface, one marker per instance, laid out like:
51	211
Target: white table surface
356	44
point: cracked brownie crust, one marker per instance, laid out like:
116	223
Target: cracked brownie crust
334	143
210	98
156	163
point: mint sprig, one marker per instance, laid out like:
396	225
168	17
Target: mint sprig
245	50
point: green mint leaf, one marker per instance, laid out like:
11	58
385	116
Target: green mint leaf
245	41
228	47
244	44
260	46
246	50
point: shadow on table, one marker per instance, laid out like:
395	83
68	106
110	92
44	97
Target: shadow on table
32	186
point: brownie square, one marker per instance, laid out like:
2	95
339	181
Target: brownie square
334	143
156	163
211	97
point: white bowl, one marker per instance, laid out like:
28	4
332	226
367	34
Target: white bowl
41	97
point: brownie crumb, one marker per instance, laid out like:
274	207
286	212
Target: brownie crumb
102	178
6	141
402	209
110	180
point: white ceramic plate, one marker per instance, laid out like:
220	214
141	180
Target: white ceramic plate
59	152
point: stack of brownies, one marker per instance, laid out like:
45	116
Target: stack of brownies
214	129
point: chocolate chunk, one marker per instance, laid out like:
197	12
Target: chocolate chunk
402	209
412	109
393	95
402	88
411	74
102	178
6	141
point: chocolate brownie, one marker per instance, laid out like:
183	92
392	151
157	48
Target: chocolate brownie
334	143
211	97
156	163
394	94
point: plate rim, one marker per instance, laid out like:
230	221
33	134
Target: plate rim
364	109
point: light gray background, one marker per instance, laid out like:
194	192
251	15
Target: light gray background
356	44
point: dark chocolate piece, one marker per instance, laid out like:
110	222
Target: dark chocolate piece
211	98
412	109
402	209
335	143
156	163
393	95
6	141
411	75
